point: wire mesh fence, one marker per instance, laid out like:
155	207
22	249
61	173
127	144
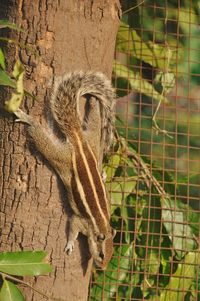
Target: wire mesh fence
153	170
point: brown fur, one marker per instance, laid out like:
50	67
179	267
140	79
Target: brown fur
64	105
66	96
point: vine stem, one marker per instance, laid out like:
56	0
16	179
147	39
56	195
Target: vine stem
155	125
133	7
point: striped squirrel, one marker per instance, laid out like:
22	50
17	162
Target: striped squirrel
74	160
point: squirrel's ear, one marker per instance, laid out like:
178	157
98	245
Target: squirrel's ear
113	231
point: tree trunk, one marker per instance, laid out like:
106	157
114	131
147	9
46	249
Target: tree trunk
58	36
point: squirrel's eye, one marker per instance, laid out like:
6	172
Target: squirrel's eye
101	237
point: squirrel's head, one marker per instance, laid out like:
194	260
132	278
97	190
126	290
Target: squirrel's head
101	247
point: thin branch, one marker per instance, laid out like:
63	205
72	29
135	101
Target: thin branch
130	9
156	126
6	276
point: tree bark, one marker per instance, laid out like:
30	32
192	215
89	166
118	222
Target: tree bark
58	36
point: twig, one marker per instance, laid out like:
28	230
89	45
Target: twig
130	9
155	125
6	276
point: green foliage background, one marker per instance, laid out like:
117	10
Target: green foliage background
154	195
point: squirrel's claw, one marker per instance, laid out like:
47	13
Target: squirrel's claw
69	247
22	117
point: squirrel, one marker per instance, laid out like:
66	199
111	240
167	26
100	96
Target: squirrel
75	161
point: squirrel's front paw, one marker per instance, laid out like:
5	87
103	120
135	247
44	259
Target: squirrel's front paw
69	247
22	117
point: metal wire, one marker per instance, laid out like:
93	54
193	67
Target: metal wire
157	219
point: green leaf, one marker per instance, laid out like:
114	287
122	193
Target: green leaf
156	55
2	60
151	238
114	160
18	69
8	24
137	82
165	259
168	81
10	292
6	80
14	102
180	233
165	81
182	279
111	167
107	283
25	263
130	222
119	190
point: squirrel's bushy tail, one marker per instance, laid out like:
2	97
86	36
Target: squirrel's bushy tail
67	92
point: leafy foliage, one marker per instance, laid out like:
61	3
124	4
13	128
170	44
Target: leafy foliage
15	80
156	227
156	55
7	24
14	102
152	233
137	82
10	292
25	263
181	281
160	57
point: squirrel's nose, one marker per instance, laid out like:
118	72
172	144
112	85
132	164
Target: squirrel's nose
101	255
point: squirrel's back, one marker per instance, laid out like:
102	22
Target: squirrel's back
68	90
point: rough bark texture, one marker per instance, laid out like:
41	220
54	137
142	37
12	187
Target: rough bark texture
59	36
